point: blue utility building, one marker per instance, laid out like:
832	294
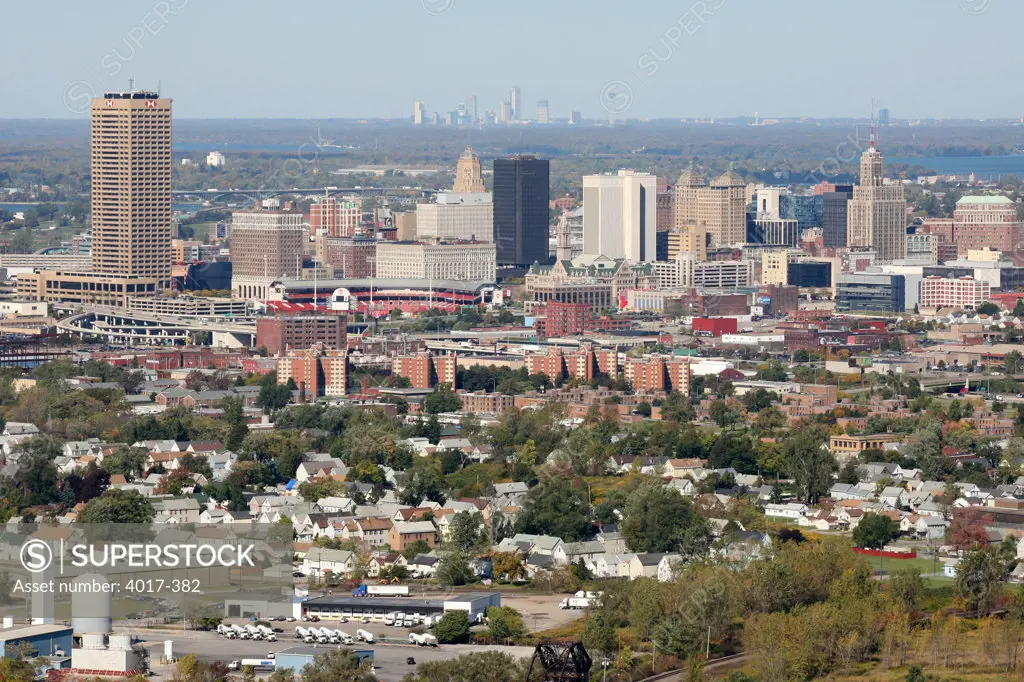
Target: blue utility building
298	656
43	640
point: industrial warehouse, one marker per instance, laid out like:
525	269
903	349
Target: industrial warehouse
475	604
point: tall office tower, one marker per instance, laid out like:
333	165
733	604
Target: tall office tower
265	246
883	117
620	215
877	213
575	117
688	188
522	193
335	218
543	114
419	112
468	176
516	102
471	109
131	187
505	114
720	208
834	223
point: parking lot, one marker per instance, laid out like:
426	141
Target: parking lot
389	659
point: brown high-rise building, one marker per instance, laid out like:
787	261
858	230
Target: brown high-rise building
719	208
130	158
468	176
877	213
285	333
131	185
265	246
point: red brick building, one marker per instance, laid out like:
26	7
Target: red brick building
351	257
426	370
317	371
653	373
279	334
566	319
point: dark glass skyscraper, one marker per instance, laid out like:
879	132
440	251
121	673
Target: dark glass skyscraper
522	192
834	217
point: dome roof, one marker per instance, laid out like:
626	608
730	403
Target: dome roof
729	178
691	177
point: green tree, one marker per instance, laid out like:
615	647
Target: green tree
556	507
442	399
722	414
127	461
273	397
599	634
338	665
677	408
505	624
118	506
659	519
980	574
809	462
238	427
875	531
467	532
453	628
492	666
453	569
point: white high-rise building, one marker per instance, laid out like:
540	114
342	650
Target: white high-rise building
464	216
543	113
215	159
516	102
419	112
620	215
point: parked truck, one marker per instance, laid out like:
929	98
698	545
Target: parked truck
381	591
344	637
422	639
364	636
255	663
305	634
267	633
576	603
226	630
240	632
325	636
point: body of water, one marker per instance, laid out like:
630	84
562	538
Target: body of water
982	166
16	208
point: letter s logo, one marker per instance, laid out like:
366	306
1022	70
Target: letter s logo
36	556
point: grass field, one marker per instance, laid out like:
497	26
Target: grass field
925	566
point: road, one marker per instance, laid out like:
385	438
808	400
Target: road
389	659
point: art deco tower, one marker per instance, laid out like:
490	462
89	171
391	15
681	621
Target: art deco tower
877	213
468	176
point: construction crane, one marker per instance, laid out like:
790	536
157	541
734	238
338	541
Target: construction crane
561	662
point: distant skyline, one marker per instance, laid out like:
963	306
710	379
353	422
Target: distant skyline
658	59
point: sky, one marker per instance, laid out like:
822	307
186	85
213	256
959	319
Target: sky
639	59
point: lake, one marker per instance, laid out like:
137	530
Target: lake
982	166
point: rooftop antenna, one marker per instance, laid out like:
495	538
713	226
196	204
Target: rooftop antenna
872	123
158	88
131	85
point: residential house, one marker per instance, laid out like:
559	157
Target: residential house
320	560
791	511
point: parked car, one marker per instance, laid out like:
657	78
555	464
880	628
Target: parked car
410	661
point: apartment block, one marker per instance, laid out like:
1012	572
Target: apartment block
317	371
426	370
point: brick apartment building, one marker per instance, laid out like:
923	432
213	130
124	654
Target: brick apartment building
566	319
283	332
318	371
426	370
656	373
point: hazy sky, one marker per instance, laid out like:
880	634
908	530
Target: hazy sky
644	58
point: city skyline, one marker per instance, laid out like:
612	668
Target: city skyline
658	63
